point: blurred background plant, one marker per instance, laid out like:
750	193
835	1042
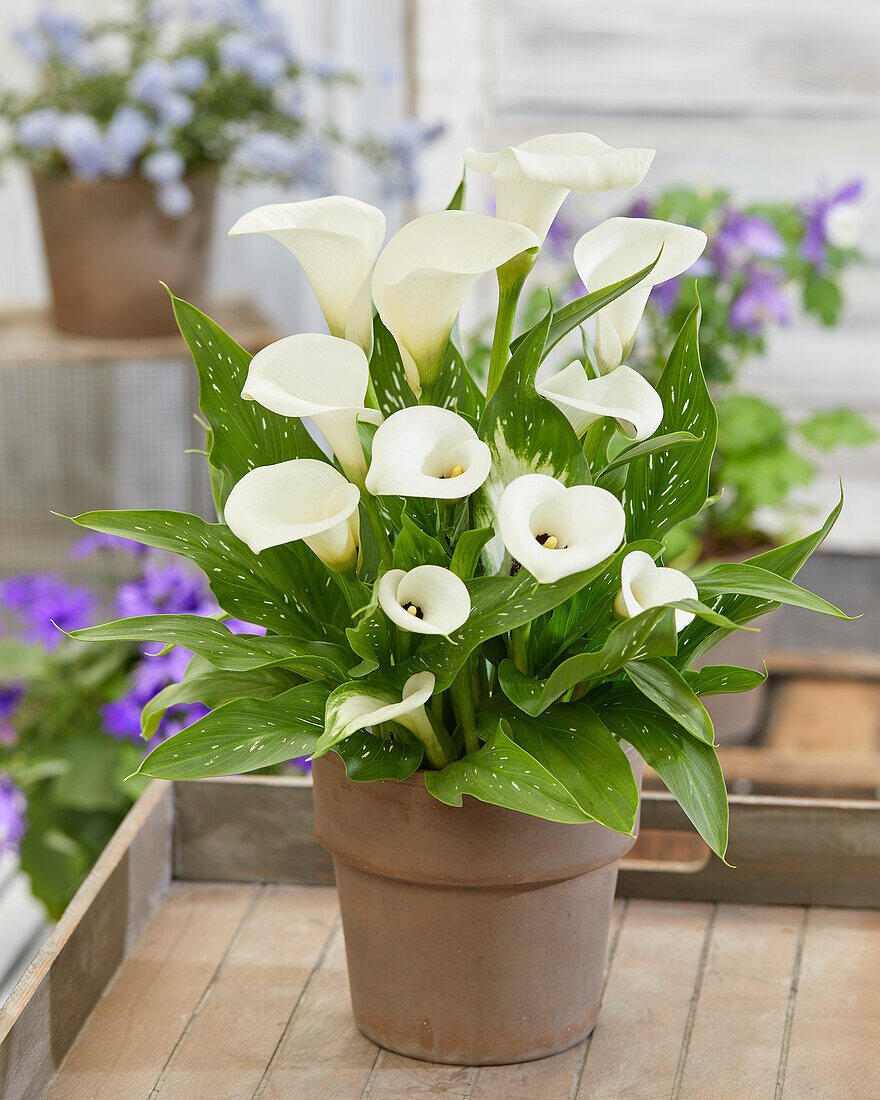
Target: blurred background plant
221	88
765	263
70	714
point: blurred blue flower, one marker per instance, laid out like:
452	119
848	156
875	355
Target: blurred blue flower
264	64
153	83
665	295
13	808
98	540
743	238
272	154
37	600
10	697
80	140
163	166
176	110
128	134
821	215
165	587
175	200
759	301
190	73
38	129
406	140
53	34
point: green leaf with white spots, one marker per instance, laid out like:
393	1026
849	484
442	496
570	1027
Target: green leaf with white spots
650	634
467	551
243	434
243	736
368	758
640	450
212	688
455	389
269	590
752	580
386	371
223	649
663	488
724	679
662	684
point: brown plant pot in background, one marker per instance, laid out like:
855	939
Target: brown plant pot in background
108	246
474	935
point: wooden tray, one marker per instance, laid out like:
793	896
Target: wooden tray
203	958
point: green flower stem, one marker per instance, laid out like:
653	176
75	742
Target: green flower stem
353	589
517	648
511	277
462	692
372	509
438	746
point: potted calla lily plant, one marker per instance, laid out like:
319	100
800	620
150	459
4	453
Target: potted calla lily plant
469	627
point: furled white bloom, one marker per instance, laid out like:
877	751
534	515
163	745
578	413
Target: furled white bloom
426	600
424	274
555	530
302	499
337	240
320	376
618	248
645	585
532	180
426	451
623	394
350	711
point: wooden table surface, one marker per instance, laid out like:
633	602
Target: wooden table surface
240	991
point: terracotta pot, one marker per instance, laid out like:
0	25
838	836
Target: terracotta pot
738	718
474	936
107	247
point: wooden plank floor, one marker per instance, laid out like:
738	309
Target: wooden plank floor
239	991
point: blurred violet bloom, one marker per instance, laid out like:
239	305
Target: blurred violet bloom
641	208
38	129
80	139
164	588
265	63
175	200
406	140
13	807
561	237
760	300
53	34
831	219
98	540
163	166
37	600
190	73
128	134
743	238
175	111
10	697
665	295
153	83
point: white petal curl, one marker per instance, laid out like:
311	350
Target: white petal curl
620	247
624	394
587	523
440	596
302	499
417	451
359	711
644	585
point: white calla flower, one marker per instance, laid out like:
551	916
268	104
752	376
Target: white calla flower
645	585
424	274
337	240
320	376
618	248
532	180
426	600
302	499
624	394
349	711
426	451
554	530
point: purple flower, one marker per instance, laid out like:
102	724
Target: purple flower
829	220
665	295
560	236
761	300
10	697
743	238
190	73
122	718
163	167
181	717
38	129
40	599
165	588
128	134
641	208
80	140
98	540
175	200
13	807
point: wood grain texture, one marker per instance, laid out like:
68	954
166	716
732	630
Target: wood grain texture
55	995
137	1023
836	717
634	1051
249	829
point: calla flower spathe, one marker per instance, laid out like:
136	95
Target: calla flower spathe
623	394
620	247
302	499
320	376
426	600
644	585
337	240
532	180
424	274
554	530
426	451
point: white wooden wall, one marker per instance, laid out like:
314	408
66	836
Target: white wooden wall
773	99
